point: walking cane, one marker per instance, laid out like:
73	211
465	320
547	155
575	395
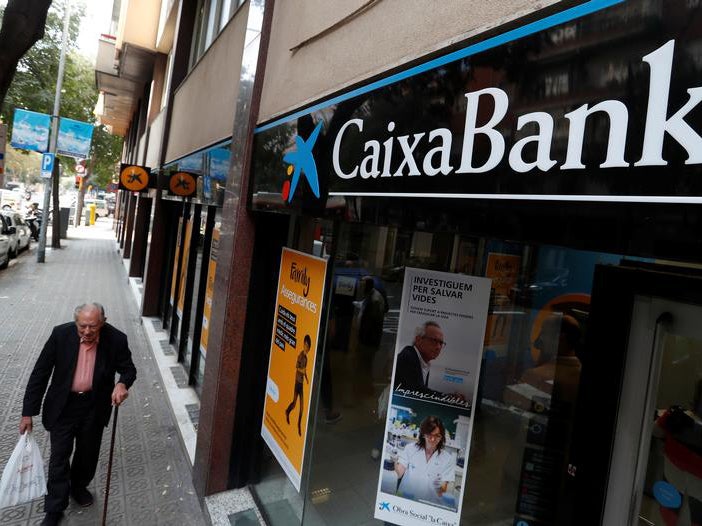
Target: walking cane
109	466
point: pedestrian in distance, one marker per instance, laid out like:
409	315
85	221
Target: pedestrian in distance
81	358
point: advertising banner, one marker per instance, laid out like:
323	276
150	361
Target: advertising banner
74	138
209	292
434	388
293	354
184	267
512	124
504	270
30	131
174	272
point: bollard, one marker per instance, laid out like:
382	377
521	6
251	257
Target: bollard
92	207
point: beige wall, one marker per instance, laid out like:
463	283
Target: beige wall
138	23
203	107
153	153
388	34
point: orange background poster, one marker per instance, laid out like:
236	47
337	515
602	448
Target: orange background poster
184	267
209	292
503	269
291	367
174	274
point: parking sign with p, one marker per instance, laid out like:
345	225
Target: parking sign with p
47	165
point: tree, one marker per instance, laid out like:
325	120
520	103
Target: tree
35	82
34	86
23	24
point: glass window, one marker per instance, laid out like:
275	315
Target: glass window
167	83
538	315
212	16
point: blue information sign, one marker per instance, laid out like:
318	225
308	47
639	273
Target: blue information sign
74	138
30	130
47	165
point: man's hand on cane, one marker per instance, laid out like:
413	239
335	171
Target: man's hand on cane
119	394
25	424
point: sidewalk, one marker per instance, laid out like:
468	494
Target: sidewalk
151	476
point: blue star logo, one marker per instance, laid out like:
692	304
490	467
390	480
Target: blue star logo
302	161
384	506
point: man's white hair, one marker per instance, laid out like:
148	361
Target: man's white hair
422	329
89	306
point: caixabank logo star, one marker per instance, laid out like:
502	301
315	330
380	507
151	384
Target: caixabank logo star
301	161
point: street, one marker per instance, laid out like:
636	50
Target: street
151	475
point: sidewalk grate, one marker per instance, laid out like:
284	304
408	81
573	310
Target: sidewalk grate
167	348
181	379
194	413
244	518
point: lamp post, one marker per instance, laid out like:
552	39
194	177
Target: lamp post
41	250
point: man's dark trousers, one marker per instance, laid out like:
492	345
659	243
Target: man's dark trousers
76	424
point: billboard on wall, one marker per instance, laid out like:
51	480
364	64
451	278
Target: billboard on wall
293	353
30	130
536	112
431	409
74	138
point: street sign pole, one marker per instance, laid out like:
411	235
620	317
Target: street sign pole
41	250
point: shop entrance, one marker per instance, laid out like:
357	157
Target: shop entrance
656	475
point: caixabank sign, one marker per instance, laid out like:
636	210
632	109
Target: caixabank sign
597	102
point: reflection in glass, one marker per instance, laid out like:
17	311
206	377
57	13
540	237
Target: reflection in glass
672	492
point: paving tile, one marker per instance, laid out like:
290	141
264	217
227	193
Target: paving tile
89	268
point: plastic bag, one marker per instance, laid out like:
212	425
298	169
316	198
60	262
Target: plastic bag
23	478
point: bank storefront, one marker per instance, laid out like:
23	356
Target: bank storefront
511	237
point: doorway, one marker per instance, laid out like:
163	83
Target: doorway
655	478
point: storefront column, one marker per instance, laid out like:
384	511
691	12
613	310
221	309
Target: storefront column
129	226
156	257
219	389
121	216
141	232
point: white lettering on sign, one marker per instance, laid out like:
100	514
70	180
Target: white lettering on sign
377	158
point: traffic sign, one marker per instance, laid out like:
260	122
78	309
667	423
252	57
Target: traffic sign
47	165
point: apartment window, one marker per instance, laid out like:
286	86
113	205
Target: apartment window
167	82
212	16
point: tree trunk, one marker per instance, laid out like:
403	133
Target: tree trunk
22	25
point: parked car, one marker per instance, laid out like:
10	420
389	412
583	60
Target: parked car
6	233
10	199
23	234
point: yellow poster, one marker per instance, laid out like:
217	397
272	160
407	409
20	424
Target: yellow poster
294	344
174	273
503	270
184	267
209	292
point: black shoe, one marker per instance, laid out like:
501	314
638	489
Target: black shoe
82	497
52	518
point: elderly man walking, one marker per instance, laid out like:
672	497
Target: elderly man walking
81	359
